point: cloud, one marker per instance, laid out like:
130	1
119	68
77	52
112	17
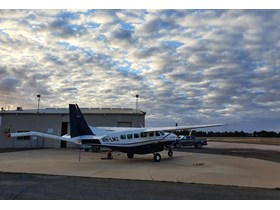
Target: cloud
189	66
103	16
9	84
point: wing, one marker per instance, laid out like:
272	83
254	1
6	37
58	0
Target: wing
45	135
175	128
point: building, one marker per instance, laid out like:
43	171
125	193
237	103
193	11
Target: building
56	121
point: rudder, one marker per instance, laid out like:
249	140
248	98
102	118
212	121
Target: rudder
78	124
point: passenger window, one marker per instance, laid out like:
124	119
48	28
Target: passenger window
143	135
123	136
157	133
136	135
151	134
129	136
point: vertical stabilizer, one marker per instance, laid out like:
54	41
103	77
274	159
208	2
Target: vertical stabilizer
78	124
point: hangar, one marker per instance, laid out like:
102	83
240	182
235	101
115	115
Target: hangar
56	121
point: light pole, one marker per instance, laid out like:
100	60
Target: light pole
137	105
39	97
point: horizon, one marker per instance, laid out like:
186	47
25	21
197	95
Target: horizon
222	128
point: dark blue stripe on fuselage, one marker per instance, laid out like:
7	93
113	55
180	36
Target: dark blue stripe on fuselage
91	141
140	149
143	149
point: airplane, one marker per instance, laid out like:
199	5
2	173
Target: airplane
127	140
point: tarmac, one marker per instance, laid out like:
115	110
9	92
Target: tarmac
183	167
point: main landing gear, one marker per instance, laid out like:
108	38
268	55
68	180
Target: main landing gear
130	155
170	153
157	156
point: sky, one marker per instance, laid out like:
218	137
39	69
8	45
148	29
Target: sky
188	66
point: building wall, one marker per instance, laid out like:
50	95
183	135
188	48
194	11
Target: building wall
115	119
52	124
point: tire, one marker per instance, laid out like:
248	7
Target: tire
157	157
170	153
130	155
198	146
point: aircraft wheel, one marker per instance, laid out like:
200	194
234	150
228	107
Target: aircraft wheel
170	153
198	146
130	155
157	157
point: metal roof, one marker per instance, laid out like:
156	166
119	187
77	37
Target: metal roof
84	111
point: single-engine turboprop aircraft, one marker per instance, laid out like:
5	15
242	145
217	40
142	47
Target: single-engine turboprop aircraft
128	140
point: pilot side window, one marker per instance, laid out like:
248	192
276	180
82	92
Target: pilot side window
143	135
158	133
136	135
129	136
123	136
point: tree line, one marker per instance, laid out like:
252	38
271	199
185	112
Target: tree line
262	133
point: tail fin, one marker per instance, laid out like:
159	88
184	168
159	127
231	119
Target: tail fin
78	124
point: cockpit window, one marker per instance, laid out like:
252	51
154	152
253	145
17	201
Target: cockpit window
158	133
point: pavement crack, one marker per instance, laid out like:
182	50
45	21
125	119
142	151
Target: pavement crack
150	175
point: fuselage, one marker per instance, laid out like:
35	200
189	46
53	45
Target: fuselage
131	140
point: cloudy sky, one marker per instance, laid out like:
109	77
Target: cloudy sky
188	66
